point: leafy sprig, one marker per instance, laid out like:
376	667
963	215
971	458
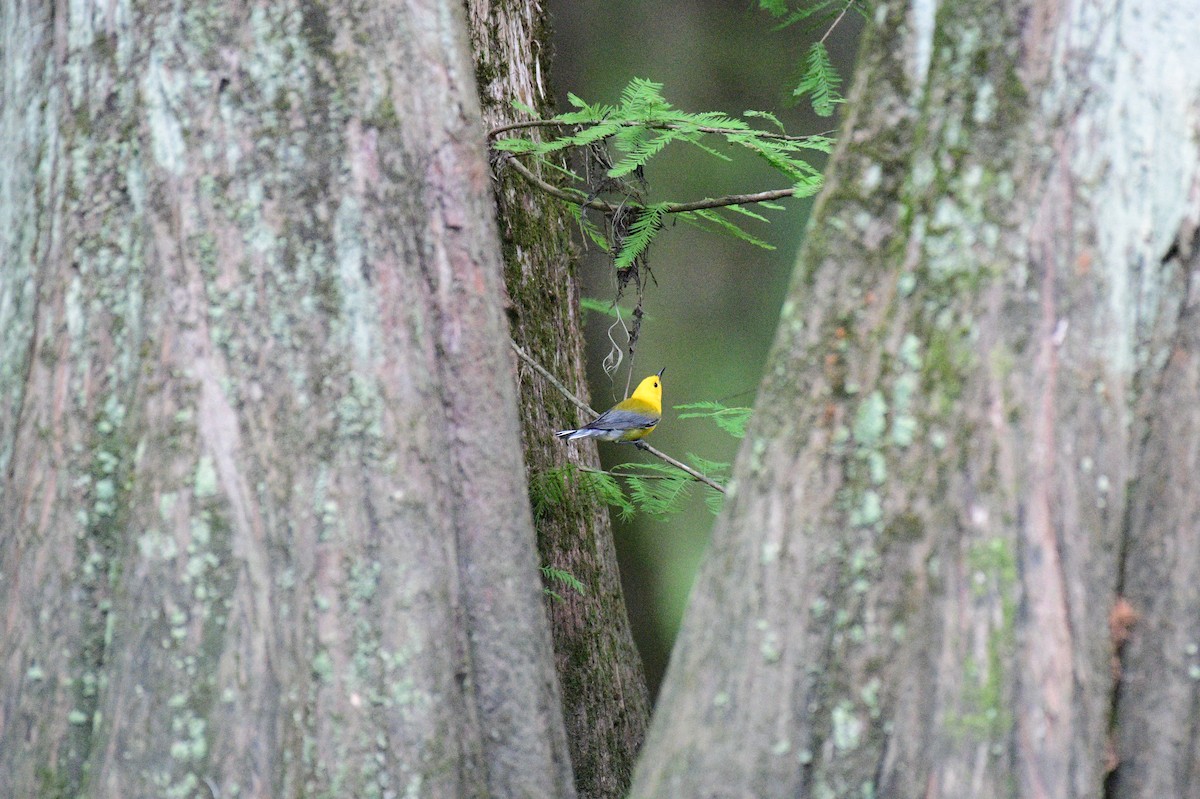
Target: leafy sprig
562	577
637	128
819	81
731	420
554	486
657	489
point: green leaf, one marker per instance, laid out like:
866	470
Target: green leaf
774	120
589	227
607	308
555	487
562	577
639	147
524	109
695	141
717	470
819	81
515	145
808	187
713	215
657	489
731	420
641	96
642	123
744	211
598	306
640	234
776	8
822	144
816	11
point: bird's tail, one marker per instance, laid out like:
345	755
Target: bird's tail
571	435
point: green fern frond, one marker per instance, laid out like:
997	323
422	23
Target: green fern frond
774	120
731	420
713	216
554	487
744	211
657	489
822	144
562	577
604	488
599	131
639	147
598	306
516	145
607	308
524	108
813	12
820	81
777	154
640	234
718	119
586	112
808	186
642	99
696	141
715	469
636	129
590	229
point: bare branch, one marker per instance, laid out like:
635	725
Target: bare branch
550	123
670	208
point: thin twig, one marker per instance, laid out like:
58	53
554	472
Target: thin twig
555	191
708	481
730	199
836	21
551	123
566	392
551	379
630	474
670	208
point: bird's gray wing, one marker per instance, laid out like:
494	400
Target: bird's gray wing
615	419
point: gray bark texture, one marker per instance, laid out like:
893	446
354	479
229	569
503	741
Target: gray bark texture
962	550
606	705
263	528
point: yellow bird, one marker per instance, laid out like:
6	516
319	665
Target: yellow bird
630	419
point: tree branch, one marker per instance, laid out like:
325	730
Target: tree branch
670	208
551	123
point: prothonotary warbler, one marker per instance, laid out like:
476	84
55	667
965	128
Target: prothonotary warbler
630	419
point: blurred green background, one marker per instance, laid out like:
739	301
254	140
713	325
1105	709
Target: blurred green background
712	314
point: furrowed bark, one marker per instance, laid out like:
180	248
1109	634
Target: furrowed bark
909	592
605	700
263	530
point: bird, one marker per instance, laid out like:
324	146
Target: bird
630	420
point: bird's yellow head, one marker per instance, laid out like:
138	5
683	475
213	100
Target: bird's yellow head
650	390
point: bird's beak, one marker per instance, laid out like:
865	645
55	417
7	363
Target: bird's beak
660	371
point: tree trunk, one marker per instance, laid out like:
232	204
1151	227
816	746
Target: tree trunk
262	525
606	704
977	430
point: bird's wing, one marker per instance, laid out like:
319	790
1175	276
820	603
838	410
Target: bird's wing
617	419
